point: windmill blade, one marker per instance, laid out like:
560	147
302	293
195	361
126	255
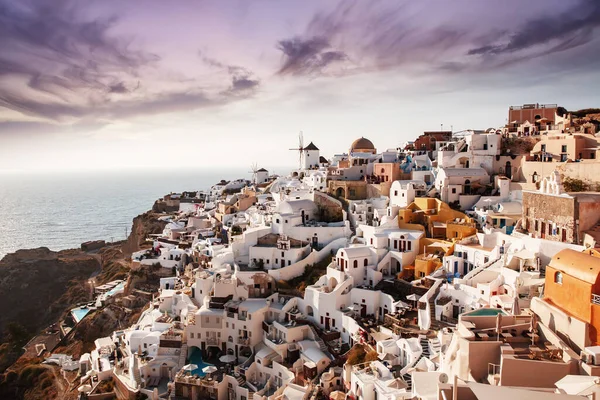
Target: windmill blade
301	140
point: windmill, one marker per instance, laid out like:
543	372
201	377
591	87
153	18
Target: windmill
254	170
300	148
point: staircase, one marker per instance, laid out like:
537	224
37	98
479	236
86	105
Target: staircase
322	345
241	379
136	375
426	352
435	347
182	356
431	302
408	379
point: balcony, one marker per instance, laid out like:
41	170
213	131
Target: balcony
212	341
243	341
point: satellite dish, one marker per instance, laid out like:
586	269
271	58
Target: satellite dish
443	378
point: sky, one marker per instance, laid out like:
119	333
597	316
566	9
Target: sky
108	84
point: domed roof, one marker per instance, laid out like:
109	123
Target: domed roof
362	144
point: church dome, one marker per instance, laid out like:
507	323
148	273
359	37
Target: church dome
362	144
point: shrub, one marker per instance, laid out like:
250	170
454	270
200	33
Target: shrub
575	185
356	355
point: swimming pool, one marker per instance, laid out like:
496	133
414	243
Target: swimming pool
488	312
116	289
78	313
196	358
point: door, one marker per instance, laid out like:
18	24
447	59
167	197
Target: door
543	230
164	371
363	310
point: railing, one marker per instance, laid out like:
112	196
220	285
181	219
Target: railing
596	299
212	341
493	369
243	341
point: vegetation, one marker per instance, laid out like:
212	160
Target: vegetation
236	230
575	185
358	355
519	145
585	111
28	380
106	386
311	274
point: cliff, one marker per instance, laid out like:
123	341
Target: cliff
143	225
37	286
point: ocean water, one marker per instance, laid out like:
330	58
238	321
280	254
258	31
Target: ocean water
61	211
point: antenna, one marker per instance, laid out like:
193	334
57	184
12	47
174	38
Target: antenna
254	170
300	148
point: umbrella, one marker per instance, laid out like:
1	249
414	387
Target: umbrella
412	297
228	358
209	369
190	367
337	395
84	388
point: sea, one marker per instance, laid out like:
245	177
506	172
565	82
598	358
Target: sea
62	210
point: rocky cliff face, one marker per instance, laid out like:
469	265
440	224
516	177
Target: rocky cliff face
38	285
143	225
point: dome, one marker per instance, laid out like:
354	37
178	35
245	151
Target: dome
362	144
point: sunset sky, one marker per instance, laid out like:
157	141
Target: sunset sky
124	84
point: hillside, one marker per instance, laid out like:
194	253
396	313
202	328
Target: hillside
36	287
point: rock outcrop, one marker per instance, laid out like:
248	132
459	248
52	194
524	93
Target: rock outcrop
143	225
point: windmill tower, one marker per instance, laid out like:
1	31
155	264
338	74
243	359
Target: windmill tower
254	170
300	149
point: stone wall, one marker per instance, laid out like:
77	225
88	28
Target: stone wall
548	210
330	209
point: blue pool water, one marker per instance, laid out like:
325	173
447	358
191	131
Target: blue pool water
116	289
487	312
79	313
196	358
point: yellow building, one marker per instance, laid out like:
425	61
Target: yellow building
425	264
439	219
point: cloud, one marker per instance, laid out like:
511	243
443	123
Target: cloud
243	80
307	56
59	65
564	30
119	87
433	38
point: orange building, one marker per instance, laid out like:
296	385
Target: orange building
573	285
439	219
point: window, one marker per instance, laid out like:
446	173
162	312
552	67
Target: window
543	148
395	193
277	221
191	335
558	278
453	190
366	262
563	148
355	263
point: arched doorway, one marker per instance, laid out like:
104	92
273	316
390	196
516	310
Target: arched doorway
332	283
508	170
164	371
309	311
340	192
467	187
